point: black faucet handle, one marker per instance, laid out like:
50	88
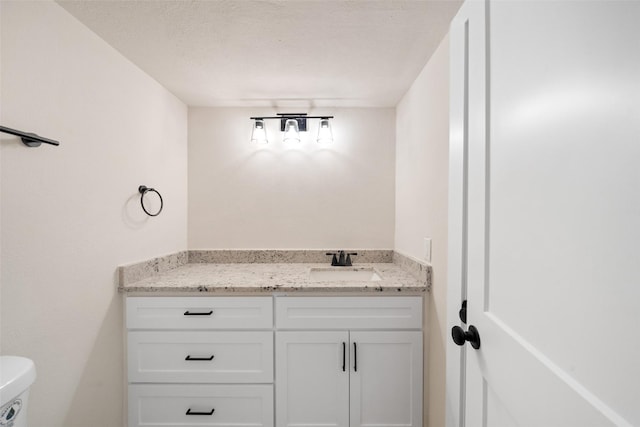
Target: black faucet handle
348	262
334	260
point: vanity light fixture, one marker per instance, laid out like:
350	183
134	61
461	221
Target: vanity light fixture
291	124
325	136
259	133
291	131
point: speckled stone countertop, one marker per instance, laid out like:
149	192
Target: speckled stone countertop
269	278
166	275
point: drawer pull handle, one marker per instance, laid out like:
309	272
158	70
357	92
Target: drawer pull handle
355	357
198	358
188	313
344	355
189	412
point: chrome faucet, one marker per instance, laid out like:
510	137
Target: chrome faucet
341	259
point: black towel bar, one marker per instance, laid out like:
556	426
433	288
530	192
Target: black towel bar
29	139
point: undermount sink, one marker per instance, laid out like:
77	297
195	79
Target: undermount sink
341	274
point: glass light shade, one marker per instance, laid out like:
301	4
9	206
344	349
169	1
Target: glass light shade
259	133
291	132
325	136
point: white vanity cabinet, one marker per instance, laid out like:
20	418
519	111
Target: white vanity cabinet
200	361
339	361
349	361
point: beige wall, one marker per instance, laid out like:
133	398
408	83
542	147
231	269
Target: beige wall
71	214
310	196
422	156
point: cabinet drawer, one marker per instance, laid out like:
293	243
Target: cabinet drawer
348	312
199	313
200	356
228	405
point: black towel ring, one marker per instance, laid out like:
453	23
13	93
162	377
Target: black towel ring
143	189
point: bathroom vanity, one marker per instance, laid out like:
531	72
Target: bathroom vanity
315	354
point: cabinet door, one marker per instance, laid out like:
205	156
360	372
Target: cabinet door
386	378
312	379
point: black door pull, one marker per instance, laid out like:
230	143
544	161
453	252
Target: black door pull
355	357
190	412
344	356
460	336
188	313
198	358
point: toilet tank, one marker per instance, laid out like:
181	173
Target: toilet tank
16	376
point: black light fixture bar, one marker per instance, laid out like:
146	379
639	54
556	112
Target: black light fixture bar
29	139
291	116
301	118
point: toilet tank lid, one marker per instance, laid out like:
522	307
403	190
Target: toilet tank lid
16	375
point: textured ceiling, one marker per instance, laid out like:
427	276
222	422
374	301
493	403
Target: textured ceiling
274	53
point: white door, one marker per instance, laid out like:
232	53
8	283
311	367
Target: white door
312	378
386	378
545	213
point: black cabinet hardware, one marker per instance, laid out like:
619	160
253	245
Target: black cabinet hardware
190	412
355	357
344	356
460	336
188	313
198	358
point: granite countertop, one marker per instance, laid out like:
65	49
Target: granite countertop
250	277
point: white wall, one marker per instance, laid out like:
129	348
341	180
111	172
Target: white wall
422	156
249	197
71	214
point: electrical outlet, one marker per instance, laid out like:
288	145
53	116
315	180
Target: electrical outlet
427	249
